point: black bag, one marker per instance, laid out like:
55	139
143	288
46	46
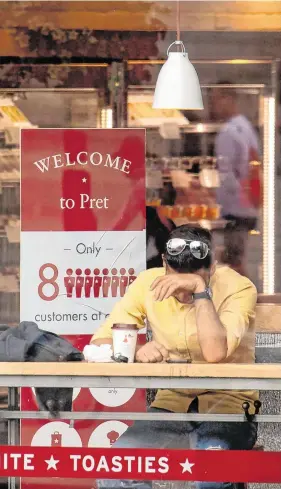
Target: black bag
52	348
28	343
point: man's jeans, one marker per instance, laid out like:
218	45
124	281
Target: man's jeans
183	435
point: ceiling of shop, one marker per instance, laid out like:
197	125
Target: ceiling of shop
147	15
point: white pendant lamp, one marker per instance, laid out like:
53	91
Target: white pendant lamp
177	86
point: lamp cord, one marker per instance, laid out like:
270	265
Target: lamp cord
178	42
178	20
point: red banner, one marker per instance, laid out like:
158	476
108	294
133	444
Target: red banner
141	464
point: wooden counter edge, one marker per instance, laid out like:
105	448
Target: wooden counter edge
142	370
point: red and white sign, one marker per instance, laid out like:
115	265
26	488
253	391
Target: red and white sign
140	464
82	245
82	224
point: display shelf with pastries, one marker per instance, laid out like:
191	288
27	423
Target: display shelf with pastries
142	114
185	190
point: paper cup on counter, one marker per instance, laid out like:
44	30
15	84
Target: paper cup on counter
125	340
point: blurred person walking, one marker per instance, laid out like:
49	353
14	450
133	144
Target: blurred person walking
239	194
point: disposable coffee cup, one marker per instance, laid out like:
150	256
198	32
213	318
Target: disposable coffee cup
125	341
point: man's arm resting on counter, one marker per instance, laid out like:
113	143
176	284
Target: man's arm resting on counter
212	335
220	333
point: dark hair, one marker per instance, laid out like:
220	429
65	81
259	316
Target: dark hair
185	262
229	92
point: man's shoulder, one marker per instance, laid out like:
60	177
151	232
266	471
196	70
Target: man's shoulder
229	282
148	276
241	128
238	121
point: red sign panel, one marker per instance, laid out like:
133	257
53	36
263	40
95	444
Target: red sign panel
82	244
83	180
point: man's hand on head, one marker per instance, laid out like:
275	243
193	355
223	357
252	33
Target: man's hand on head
152	352
173	283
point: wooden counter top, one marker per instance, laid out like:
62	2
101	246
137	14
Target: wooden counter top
263	371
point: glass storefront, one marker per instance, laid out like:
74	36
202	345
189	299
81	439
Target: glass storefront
197	173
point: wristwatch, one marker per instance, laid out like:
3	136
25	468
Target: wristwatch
207	294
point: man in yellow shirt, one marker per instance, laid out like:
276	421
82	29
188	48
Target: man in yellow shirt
198	313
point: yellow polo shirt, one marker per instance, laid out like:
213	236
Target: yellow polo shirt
174	326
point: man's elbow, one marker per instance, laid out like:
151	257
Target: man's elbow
215	355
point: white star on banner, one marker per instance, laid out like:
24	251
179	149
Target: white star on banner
84	180
186	466
52	463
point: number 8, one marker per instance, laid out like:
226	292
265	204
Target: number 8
46	281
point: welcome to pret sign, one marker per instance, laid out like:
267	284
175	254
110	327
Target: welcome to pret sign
83	221
82	245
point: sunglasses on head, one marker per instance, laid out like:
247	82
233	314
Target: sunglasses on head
198	249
